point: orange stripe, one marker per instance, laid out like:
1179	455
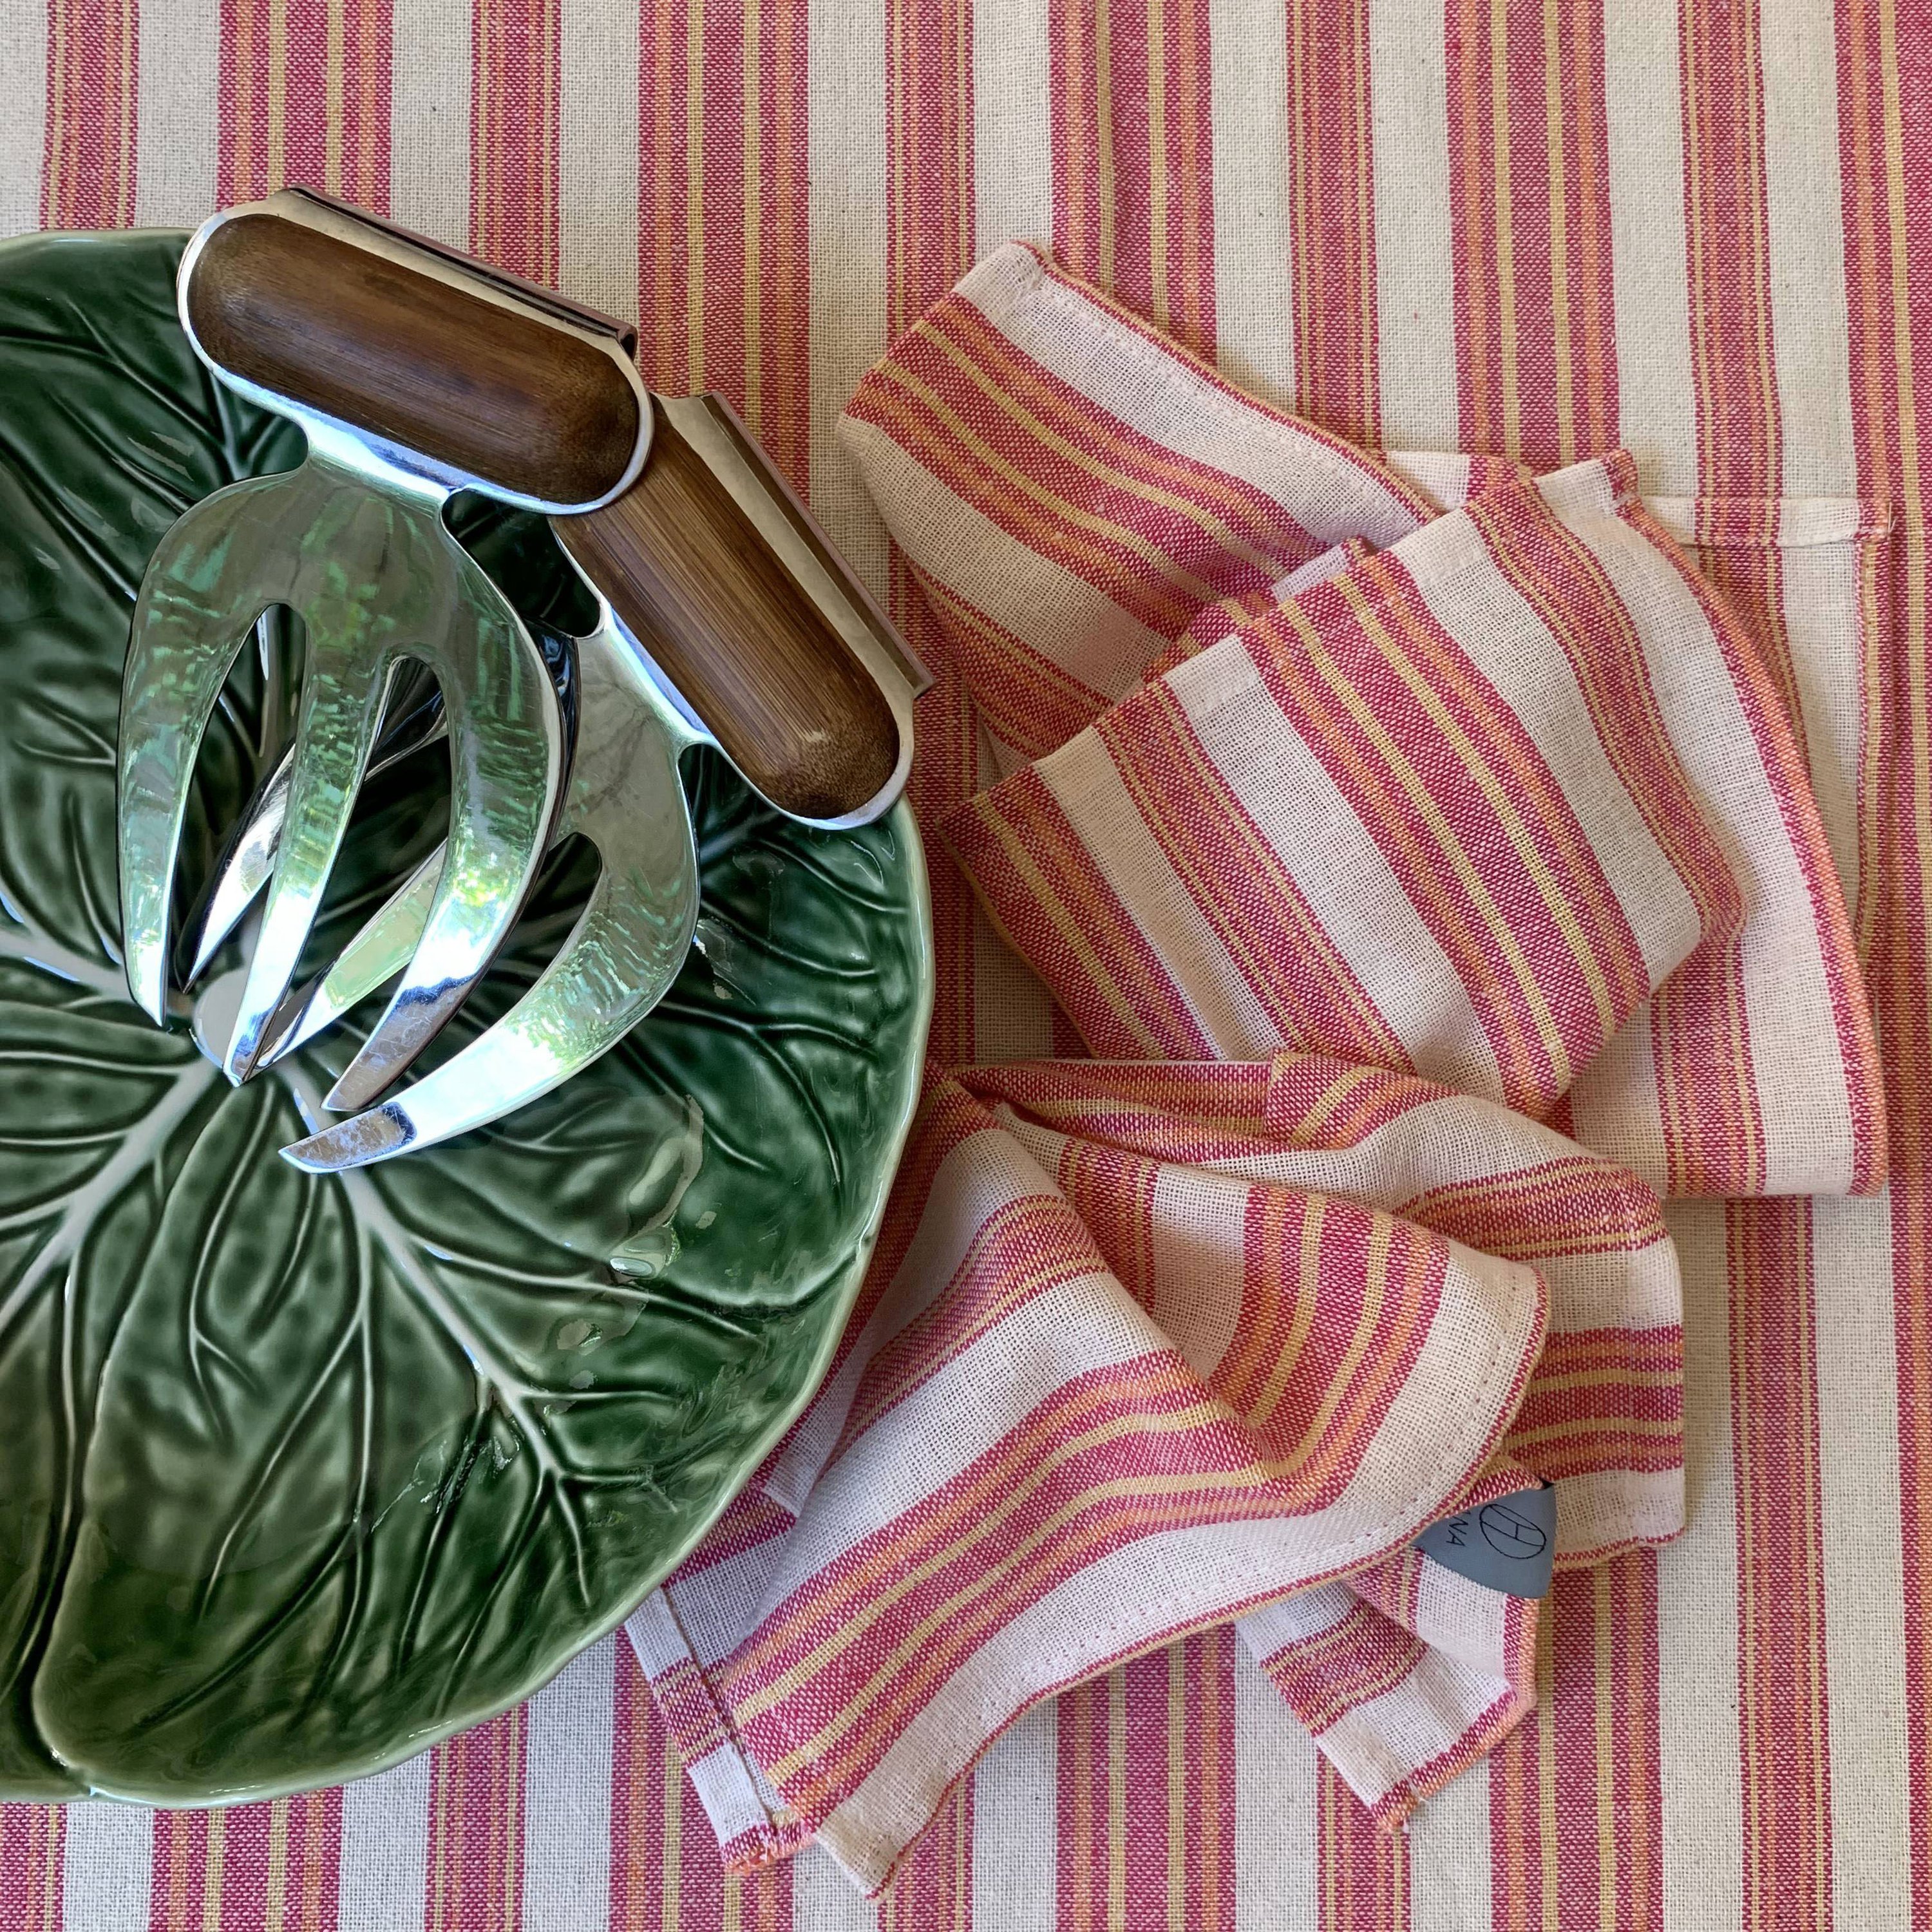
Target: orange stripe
1528	161
1575	1792
1783	1719
1331	218
87	172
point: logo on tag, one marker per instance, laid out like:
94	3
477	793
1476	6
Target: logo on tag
1509	1545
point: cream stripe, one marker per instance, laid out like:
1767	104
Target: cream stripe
106	1865
1085	780
1275	1808
715	1604
823	1899
1378	1744
846	226
1614	1105
1199	1243
1697	1591
1492	621
1617	1506
1822	623
23	86
1254	316
1807	238
1864	1633
598	153
1061	616
1016	1813
1012	1011
429	122
963	1412
1272	1628
1163	397
1462	1618
1415	289
385	1847
1645	134
178	132
1349	884
567	1795
1012	106
974	1181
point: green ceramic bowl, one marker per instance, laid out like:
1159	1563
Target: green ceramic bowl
299	1475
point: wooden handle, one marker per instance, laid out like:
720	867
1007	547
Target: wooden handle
495	392
686	569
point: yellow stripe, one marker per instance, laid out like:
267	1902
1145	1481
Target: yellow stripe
1071	931
1478	766
1430	817
753	212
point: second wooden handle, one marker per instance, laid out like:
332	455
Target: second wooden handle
686	568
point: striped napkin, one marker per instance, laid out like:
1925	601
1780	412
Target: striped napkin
1422	852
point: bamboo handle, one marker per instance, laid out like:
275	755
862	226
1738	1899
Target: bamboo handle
686	569
499	394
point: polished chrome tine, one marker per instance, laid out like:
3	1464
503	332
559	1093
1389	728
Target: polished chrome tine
374	577
208	583
625	797
383	946
250	860
507	761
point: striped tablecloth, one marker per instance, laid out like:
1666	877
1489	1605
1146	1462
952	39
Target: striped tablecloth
1699	229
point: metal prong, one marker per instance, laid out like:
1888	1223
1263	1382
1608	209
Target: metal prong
507	753
625	949
214	572
251	859
246	868
374	576
369	962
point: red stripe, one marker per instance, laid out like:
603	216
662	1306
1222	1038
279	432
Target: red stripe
929	244
516	57
33	1839
666	1874
1783	1720
1362	1870
88	156
474	1873
1576	1793
931	1890
1133	205
1145	1812
1034	871
313	109
1884	72
1331	218
1529	185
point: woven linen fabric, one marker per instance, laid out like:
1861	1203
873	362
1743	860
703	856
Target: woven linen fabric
1014	1478
1071	489
1701	233
1109	1384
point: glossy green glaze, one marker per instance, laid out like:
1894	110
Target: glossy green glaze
298	1474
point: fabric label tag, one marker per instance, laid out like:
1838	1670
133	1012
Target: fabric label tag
1509	1545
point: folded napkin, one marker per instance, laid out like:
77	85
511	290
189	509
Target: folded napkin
1144	1348
1425	852
1073	490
